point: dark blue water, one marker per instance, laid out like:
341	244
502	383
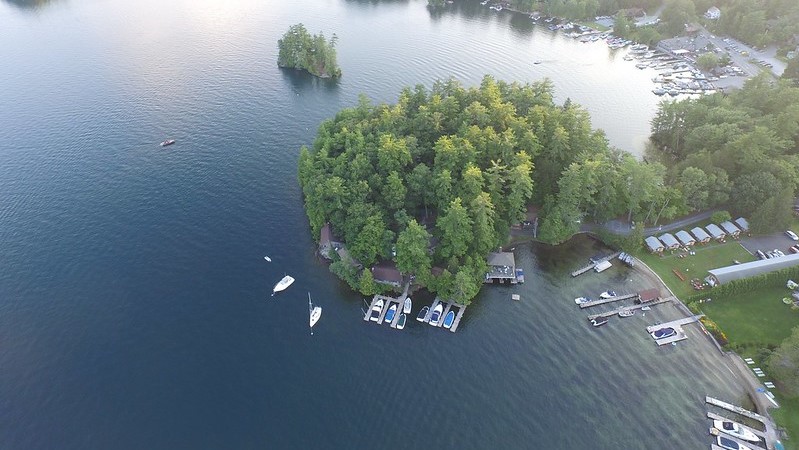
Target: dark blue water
134	298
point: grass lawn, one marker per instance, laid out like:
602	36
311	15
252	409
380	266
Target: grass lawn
754	319
787	415
709	256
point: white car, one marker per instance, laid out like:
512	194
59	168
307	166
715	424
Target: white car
792	235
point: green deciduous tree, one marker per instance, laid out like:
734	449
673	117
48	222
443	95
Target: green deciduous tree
784	364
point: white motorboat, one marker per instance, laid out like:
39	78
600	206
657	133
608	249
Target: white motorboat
436	316
315	312
626	312
390	313
268	259
423	313
401	322
646	308
406	307
607	295
282	284
598	322
376	309
167	142
729	444
581	300
735	430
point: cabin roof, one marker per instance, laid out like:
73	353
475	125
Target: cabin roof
668	240
742	224
729	227
715	231
685	238
653	243
700	234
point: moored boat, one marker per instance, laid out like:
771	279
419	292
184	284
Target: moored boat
436	316
448	319
581	300
401	321
315	312
376	309
599	321
729	444
607	294
664	333
423	313
735	430
281	285
626	312
406	307
390	314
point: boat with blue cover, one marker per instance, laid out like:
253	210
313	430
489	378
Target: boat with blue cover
448	319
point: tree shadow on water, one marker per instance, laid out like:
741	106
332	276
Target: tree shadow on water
301	81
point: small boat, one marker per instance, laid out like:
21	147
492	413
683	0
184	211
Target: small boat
282	284
422	314
646	308
376	309
401	322
436	316
607	295
315	312
729	444
598	322
406	307
537	61
581	300
663	333
167	142
735	430
626	312
448	319
390	313
268	259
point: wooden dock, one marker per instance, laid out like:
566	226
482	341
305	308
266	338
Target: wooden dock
674	323
603	301
444	314
369	309
736	409
430	312
714	416
585	269
461	310
628	308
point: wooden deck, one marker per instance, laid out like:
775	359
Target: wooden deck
461	310
674	323
736	409
714	416
603	301
628	308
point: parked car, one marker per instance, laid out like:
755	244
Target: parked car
760	254
792	235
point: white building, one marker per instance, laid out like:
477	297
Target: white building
713	13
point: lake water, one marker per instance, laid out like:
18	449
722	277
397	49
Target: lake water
134	298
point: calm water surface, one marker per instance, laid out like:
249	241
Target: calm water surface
134	307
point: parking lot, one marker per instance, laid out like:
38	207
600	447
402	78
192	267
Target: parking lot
777	241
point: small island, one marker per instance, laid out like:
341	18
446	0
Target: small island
313	53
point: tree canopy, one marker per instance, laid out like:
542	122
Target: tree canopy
299	49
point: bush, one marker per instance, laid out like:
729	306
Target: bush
720	216
714	330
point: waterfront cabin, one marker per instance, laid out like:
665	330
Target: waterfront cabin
386	273
738	271
685	238
669	241
731	229
501	267
716	232
742	224
325	241
654	245
701	235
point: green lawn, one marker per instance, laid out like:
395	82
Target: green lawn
787	415
754	319
709	256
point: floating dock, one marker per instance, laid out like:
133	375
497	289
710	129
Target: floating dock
603	301
714	416
677	325
628	308
594	264
736	409
461	310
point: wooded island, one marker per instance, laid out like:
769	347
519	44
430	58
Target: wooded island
298	49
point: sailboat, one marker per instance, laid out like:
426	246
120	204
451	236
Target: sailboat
282	284
315	313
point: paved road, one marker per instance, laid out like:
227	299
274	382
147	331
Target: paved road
623	228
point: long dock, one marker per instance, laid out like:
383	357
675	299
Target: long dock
675	323
593	264
714	416
603	301
461	310
736	409
628	308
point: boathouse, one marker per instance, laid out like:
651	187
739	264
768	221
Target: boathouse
685	238
501	266
325	241
731	229
701	235
715	232
742	224
669	241
654	245
648	295
386	273
750	269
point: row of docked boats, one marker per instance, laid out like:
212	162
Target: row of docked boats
377	309
435	317
603	296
